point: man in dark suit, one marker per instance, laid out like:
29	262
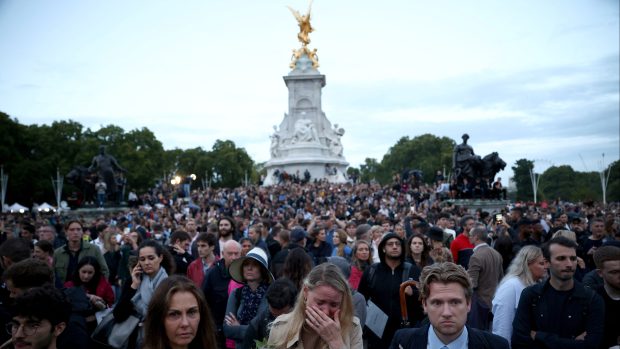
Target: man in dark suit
485	270
445	292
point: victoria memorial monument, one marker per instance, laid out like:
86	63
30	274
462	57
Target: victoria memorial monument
305	143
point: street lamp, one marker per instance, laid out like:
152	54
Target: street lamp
535	178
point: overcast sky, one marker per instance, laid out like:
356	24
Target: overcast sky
529	79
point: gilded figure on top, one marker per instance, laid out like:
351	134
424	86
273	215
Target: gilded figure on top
305	28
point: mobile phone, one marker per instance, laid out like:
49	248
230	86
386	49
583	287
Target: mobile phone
498	218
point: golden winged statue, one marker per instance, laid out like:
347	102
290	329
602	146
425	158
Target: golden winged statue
305	28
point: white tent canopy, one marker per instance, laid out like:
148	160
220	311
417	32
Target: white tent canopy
18	208
45	207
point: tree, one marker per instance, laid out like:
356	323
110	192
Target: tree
564	183
369	170
231	164
13	151
522	179
427	153
613	186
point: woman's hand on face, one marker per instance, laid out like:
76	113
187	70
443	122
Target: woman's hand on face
136	276
231	320
325	327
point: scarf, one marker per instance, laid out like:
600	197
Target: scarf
148	285
251	301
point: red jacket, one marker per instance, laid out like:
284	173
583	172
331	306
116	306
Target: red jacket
195	273
104	290
355	277
460	243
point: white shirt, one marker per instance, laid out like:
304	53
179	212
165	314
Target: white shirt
434	342
504	306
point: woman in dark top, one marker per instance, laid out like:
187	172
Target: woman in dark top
318	248
417	251
154	265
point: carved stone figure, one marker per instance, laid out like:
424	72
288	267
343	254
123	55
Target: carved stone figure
275	145
304	131
333	140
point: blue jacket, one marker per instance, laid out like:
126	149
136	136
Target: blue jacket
557	328
417	338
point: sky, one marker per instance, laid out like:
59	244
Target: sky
529	79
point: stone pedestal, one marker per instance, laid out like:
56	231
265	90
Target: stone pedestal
305	139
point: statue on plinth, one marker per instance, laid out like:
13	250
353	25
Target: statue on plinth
472	173
464	161
305	28
105	165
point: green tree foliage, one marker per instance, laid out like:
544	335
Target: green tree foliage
369	170
613	185
231	164
564	183
427	153
31	154
522	179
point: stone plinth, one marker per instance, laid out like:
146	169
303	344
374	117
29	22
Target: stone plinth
305	139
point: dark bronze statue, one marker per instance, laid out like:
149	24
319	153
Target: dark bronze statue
105	166
464	161
473	174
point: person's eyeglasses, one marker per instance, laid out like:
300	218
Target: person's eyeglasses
27	329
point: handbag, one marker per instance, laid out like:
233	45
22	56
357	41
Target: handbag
112	334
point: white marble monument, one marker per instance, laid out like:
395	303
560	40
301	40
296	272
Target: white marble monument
305	142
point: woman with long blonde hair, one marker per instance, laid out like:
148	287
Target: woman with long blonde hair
323	314
527	268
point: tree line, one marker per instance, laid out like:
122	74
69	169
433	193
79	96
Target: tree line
31	154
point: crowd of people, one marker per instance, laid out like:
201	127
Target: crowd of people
313	265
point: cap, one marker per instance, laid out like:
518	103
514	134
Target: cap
297	234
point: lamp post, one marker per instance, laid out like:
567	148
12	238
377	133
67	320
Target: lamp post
604	179
57	185
534	177
4	179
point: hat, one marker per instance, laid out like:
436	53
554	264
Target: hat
257	254
297	234
435	234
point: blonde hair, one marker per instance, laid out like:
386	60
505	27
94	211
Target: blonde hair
565	233
107	234
326	274
520	265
